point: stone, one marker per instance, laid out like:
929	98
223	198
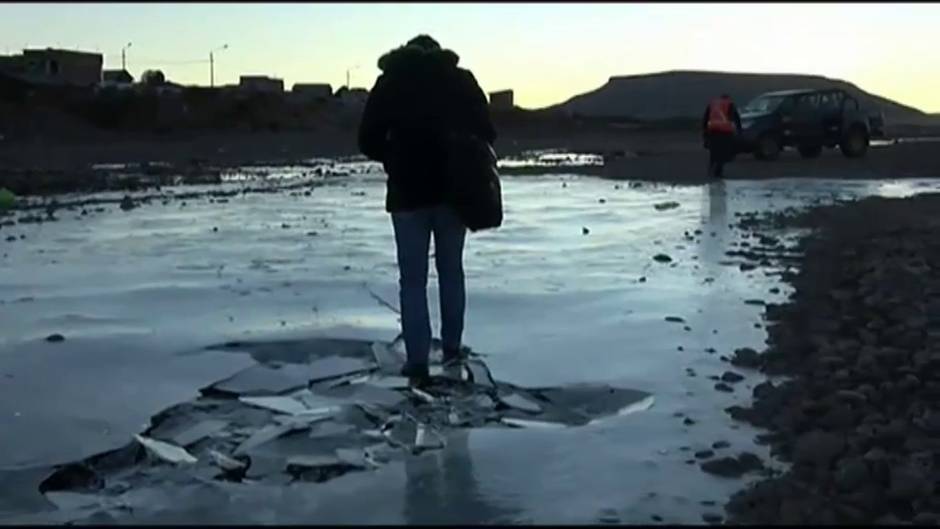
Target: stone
855	397
127	203
750	462
704	454
851	474
721	445
55	338
763	390
712	518
725	388
731	377
818	448
727	467
907	484
666	206
662	258
746	357
926	518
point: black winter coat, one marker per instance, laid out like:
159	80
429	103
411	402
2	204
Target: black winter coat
420	96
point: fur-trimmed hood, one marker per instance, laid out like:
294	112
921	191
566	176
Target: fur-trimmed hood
411	55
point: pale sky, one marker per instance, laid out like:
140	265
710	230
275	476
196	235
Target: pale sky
545	52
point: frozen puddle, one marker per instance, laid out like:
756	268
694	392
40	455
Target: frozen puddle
567	295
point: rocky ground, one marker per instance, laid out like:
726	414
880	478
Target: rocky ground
858	412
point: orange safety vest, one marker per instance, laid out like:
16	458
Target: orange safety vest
719	116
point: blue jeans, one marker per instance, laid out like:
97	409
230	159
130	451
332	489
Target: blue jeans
412	237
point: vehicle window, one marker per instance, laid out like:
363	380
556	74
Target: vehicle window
763	104
830	102
807	102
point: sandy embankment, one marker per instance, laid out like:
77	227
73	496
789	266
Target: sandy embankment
859	417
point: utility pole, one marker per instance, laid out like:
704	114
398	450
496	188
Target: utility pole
124	56
212	64
347	74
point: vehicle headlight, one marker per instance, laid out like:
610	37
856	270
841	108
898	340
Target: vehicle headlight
746	124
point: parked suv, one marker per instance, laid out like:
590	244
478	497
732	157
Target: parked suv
807	120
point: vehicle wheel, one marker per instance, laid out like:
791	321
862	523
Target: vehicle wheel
855	143
810	151
768	148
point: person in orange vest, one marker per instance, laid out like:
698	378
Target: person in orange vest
720	126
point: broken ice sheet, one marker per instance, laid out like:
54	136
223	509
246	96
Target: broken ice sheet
268	433
354	457
225	462
330	429
593	401
423	395
192	435
389	361
320	468
527	423
70	501
519	402
337	366
410	435
265	380
303	402
427	438
320	403
389	382
369	394
166	451
480	374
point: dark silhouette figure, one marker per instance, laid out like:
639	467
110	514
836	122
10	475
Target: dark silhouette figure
720	125
420	98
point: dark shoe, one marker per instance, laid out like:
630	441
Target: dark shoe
417	375
453	357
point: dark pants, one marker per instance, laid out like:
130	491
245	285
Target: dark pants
721	148
413	231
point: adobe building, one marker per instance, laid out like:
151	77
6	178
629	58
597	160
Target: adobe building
261	83
55	67
308	92
502	100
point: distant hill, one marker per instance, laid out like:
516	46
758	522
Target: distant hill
684	94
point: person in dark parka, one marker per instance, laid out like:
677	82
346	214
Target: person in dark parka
420	97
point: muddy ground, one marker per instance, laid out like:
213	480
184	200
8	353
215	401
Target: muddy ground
859	417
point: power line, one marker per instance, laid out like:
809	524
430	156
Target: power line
171	61
167	63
